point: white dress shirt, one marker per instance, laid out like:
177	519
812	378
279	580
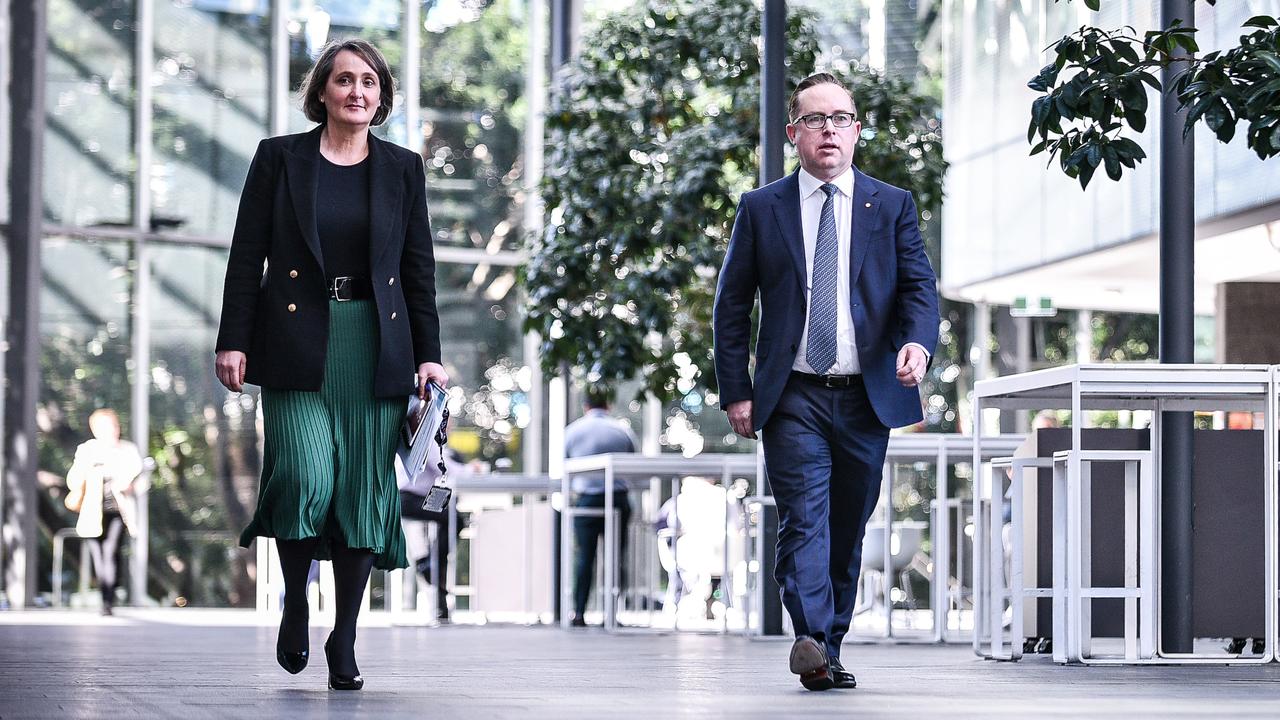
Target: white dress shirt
811	201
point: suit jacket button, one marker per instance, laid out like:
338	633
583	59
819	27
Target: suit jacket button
293	308
391	281
393	316
293	273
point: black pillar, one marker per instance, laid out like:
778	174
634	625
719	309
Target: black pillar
18	546
565	15
773	134
773	89
564	42
1177	345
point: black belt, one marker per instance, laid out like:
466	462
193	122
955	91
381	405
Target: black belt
830	381
350	288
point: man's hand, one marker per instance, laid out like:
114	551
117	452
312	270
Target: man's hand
741	418
431	371
911	365
229	365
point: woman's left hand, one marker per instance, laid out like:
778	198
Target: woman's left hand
428	371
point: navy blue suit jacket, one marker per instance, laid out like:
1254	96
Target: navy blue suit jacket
893	295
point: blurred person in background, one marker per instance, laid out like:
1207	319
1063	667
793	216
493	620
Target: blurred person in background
100	488
333	330
594	433
421	547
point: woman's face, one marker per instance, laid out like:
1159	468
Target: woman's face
352	93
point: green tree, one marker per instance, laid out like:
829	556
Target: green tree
651	138
1097	84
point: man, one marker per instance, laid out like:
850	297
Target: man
595	433
848	319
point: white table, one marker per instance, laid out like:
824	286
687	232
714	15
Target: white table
943	450
465	483
1144	386
629	467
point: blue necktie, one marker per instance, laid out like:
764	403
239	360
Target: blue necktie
821	348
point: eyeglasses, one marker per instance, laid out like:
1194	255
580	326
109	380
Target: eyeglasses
817	121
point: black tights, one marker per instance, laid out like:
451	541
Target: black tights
295	566
351	568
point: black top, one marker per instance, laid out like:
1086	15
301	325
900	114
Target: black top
342	218
280	318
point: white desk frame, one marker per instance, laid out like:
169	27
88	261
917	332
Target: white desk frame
1155	387
943	450
629	467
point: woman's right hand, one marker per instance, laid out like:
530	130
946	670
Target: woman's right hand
230	368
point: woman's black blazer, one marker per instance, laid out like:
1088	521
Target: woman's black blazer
278	314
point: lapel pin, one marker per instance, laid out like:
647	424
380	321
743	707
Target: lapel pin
868	204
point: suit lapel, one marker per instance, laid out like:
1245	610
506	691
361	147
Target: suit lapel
384	200
302	177
786	211
865	207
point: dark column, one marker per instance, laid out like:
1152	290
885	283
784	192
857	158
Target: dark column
773	91
773	136
565	15
22	360
1177	345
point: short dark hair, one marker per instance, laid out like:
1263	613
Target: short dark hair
314	82
822	78
597	396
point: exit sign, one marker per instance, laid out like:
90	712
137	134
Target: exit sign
1024	306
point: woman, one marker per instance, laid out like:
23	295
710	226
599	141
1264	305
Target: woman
333	330
100	488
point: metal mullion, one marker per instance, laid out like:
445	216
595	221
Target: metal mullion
144	59
411	72
279	68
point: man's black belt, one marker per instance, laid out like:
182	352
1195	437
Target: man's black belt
830	381
350	288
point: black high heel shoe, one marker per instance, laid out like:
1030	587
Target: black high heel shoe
293	662
336	681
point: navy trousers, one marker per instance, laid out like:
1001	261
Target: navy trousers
824	451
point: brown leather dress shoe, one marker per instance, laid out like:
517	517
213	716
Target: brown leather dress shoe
809	661
843	678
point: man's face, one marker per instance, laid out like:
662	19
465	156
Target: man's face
828	151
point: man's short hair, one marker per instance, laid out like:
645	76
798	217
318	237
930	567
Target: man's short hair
313	84
597	396
821	78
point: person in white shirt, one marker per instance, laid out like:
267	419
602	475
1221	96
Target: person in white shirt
100	487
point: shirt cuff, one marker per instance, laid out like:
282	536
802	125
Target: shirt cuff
927	354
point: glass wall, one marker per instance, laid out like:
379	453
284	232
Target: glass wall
88	144
210	107
212	100
87	287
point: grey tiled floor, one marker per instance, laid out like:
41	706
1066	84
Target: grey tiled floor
193	665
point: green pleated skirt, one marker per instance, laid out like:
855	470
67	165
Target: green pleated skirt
328	462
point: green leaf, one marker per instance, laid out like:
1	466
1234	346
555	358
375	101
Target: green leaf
1186	41
1113	166
1261	21
1092	4
1270	59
